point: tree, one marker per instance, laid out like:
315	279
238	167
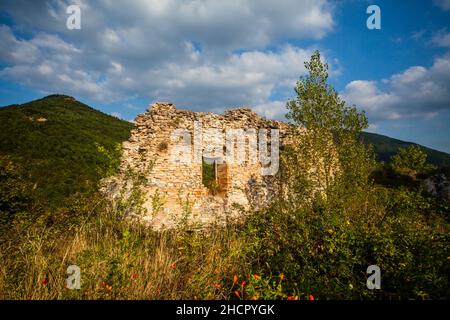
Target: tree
15	192
411	159
325	151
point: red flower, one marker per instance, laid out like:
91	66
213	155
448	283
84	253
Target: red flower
44	281
235	279
243	284
292	298
311	297
236	293
134	276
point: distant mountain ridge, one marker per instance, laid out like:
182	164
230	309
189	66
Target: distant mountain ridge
385	147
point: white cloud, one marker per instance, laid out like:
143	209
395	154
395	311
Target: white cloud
17	51
442	39
204	54
247	78
196	80
443	4
366	95
220	25
272	110
52	42
415	93
47	63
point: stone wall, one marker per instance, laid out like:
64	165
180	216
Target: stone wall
438	185
167	146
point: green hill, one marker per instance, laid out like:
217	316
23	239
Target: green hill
386	147
53	146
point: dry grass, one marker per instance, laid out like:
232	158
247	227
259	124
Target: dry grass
118	260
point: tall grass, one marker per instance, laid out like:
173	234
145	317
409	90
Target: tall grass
118	259
278	253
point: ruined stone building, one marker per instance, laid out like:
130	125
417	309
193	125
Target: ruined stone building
201	166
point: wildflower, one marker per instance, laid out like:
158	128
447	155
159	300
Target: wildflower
44	281
243	284
217	285
109	288
103	283
236	293
257	277
134	276
235	279
311	297
281	277
173	265
292	298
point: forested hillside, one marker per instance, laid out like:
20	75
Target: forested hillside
58	145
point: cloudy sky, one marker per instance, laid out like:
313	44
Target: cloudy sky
212	55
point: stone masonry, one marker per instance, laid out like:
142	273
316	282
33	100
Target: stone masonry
168	147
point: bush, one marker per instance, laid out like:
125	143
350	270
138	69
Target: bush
411	159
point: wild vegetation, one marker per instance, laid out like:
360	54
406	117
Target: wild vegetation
314	242
53	143
385	148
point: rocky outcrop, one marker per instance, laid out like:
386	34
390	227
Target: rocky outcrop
438	185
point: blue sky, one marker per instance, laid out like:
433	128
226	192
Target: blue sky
213	55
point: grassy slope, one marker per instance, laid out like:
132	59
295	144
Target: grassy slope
386	147
59	156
